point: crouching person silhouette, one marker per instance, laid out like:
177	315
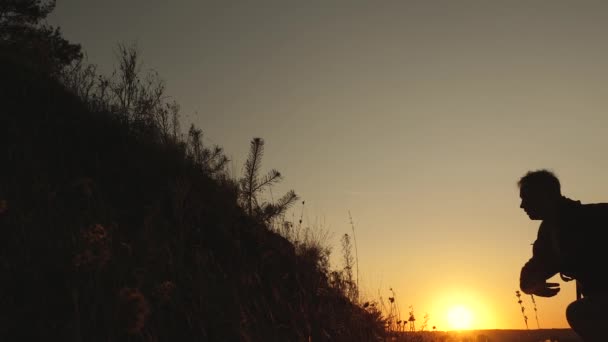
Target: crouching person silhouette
570	242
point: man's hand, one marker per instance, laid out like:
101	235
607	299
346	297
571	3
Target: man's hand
544	289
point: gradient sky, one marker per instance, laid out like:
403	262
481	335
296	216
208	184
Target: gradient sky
418	117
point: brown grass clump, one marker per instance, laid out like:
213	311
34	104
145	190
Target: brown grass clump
165	291
3	206
94	251
132	310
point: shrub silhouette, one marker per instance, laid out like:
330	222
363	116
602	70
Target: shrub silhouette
24	36
251	185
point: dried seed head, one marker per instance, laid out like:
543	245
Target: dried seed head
132	310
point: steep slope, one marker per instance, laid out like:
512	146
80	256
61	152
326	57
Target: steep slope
111	234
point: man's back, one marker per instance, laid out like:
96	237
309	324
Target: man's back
582	248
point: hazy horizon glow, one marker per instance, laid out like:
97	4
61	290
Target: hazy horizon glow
417	117
460	318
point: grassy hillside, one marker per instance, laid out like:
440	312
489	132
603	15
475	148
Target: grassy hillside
114	231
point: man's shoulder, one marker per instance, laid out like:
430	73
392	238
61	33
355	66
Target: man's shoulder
573	204
595	213
596	207
574	212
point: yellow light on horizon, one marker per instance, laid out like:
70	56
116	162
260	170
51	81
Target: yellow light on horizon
459	318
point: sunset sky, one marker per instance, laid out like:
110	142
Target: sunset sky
418	117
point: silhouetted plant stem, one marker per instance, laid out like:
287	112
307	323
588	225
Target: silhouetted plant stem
535	311
352	224
523	310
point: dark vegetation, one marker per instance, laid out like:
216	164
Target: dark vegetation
118	226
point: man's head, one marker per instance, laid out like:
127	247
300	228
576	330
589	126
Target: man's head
539	191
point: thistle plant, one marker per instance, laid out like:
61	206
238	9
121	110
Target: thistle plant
412	319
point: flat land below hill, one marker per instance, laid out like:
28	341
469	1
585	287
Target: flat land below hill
498	335
532	335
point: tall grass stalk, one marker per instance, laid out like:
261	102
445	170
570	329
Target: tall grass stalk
352	224
535	311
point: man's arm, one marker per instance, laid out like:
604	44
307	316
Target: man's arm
542	266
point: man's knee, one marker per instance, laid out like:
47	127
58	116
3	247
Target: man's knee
581	312
587	318
574	312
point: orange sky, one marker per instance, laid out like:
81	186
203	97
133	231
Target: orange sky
418	117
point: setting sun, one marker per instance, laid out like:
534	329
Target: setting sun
459	318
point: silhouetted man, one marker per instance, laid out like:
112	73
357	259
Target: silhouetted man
570	242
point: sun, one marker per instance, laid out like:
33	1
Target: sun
460	318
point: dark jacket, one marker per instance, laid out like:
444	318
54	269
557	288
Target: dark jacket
572	244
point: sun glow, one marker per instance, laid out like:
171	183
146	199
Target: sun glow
459	318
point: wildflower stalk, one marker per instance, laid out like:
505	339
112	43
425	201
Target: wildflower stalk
535	311
523	310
